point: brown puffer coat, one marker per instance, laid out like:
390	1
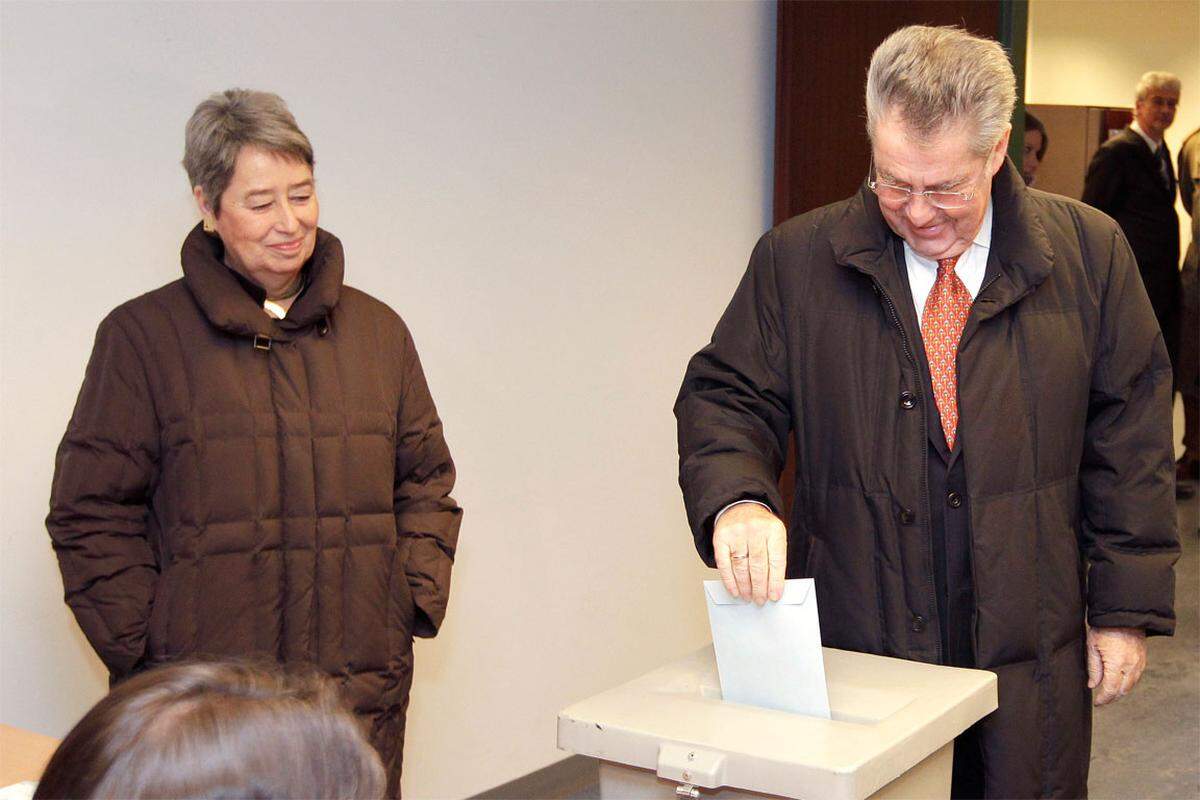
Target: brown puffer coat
1065	419
233	485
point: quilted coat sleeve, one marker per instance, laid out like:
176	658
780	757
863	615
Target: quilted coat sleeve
104	470
1127	495
732	409
427	518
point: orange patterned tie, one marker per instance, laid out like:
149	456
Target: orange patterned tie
942	324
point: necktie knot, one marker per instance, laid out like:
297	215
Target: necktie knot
947	264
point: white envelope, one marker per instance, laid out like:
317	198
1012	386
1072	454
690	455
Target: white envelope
770	656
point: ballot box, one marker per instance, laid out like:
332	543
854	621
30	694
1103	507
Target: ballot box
669	733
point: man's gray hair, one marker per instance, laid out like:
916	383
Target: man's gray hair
1157	80
939	78
228	121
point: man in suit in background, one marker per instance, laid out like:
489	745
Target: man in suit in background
1131	179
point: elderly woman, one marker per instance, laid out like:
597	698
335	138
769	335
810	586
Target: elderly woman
254	466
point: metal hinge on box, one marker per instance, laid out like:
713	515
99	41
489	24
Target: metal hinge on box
691	767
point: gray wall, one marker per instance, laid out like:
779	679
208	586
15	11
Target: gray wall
558	198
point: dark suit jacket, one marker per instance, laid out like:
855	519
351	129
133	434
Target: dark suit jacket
1124	182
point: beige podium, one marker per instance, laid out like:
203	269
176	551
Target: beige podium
669	733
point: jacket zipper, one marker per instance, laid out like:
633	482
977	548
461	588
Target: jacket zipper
970	532
924	477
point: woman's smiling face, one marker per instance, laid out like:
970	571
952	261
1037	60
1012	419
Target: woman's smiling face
268	217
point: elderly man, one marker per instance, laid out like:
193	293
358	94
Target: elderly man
1131	179
978	395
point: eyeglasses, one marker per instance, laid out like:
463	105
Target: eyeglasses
896	196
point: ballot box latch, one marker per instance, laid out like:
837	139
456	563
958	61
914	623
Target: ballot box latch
691	767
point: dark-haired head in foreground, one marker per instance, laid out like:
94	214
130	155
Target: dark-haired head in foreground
216	730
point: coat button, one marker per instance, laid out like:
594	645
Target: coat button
908	401
954	499
918	623
906	516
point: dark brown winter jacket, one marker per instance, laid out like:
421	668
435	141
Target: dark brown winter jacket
234	485
1065	422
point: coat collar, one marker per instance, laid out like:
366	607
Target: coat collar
229	307
862	240
1145	137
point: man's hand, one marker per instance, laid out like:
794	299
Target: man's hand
1115	660
750	544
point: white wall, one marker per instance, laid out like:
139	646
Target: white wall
559	198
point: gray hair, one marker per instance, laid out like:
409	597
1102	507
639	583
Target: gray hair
228	121
940	77
1157	80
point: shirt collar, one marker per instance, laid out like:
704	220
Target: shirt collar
984	237
1153	145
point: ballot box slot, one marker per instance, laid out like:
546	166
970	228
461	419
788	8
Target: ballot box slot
865	705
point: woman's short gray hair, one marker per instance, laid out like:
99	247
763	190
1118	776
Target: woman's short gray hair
939	77
1157	80
228	121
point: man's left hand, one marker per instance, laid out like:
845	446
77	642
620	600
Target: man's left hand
1115	660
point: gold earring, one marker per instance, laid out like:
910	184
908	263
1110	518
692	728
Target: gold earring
208	226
